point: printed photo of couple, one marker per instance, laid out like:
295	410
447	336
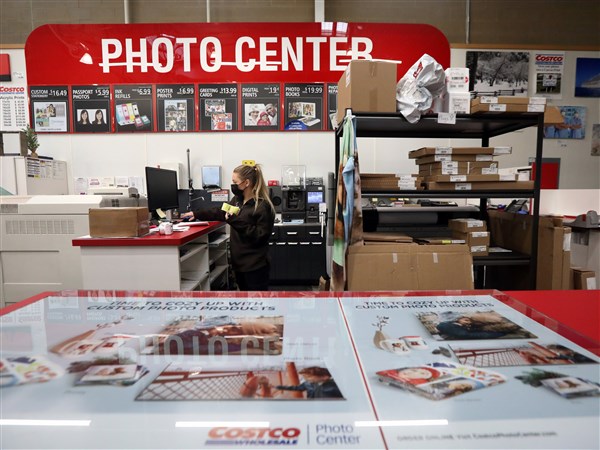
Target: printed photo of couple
472	325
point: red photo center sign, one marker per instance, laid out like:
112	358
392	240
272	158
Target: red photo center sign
221	52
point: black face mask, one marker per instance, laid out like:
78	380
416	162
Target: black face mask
235	189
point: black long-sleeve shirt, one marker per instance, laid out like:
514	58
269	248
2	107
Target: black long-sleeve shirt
250	232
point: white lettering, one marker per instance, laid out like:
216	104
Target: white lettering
130	55
316	44
289	54
167	52
239	57
265	53
107	54
211	54
365	53
186	51
334	53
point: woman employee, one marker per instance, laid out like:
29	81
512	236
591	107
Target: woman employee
251	227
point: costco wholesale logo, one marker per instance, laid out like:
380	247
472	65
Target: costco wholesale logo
253	436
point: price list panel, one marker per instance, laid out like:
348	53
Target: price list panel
175	108
303	106
91	109
332	91
133	108
218	107
13	108
49	108
260	107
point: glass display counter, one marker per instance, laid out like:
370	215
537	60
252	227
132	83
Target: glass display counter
148	369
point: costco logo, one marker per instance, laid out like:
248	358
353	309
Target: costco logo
253	436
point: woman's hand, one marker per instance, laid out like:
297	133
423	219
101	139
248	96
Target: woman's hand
187	215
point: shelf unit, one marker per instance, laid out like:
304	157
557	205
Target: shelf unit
218	260
477	126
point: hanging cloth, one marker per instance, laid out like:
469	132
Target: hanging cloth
348	212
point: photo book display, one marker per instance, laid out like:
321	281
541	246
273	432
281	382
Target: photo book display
564	385
28	369
112	374
472	325
440	380
191	381
219	335
530	353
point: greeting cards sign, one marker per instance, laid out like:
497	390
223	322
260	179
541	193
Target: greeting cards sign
220	52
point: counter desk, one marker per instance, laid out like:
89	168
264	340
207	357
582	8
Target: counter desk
390	370
183	261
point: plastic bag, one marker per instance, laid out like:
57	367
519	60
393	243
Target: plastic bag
417	88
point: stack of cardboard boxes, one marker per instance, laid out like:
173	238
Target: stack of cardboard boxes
514	232
474	232
465	168
508	104
371	182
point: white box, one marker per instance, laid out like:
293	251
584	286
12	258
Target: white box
459	103
457	80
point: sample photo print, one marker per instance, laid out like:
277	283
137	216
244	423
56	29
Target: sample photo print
440	380
498	73
189	381
561	384
50	116
260	114
587	77
572	127
530	353
176	115
472	325
219	335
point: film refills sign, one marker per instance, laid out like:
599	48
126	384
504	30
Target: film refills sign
220	52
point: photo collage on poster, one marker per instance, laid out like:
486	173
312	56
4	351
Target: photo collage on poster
175	107
218	107
183	107
50	108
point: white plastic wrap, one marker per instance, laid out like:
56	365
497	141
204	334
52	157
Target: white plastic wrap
417	88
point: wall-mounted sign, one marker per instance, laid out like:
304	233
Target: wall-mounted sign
218	107
260	107
50	108
221	52
175	107
332	91
133	108
91	109
303	106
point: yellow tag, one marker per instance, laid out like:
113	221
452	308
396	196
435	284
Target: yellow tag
233	210
248	162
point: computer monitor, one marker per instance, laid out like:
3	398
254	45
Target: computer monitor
162	189
314	197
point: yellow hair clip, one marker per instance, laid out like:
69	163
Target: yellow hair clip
248	162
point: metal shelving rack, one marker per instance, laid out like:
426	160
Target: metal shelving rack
482	126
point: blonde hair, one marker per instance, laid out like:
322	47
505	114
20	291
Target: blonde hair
259	187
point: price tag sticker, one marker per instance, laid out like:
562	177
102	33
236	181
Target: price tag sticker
447	118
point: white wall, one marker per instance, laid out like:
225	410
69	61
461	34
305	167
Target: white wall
128	154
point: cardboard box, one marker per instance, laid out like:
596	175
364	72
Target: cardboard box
461	158
409	267
425	151
367	86
473	238
504	107
552	116
471	178
583	278
440	240
467	225
509	100
479	186
459	168
119	222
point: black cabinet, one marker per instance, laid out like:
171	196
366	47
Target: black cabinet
477	126
298	254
